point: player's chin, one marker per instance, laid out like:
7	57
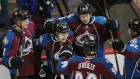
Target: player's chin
25	26
85	22
63	40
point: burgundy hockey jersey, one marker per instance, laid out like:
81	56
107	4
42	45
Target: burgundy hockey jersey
87	68
12	47
52	47
95	28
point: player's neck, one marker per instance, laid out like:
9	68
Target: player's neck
18	28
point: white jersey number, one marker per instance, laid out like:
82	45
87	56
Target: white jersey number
79	75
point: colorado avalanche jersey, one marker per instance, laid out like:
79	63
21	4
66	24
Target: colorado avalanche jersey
52	47
94	28
130	54
88	68
12	47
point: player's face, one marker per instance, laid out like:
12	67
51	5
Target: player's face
132	34
23	23
85	18
62	37
129	30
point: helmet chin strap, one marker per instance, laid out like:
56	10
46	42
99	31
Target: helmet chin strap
134	34
20	25
56	37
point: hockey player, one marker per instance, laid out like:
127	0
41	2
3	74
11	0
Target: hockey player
44	9
59	35
84	24
90	67
18	48
130	50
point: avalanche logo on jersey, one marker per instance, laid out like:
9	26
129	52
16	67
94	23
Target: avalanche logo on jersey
134	43
56	55
28	47
83	37
5	41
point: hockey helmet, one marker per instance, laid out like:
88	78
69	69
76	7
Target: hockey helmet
134	25
90	47
20	15
84	9
62	27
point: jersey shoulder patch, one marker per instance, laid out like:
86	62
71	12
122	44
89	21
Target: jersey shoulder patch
8	38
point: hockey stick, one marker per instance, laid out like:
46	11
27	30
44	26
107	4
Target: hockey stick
59	8
66	7
23	46
108	17
134	68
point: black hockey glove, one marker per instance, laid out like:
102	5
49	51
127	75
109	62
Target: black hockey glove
66	51
118	45
44	8
16	62
49	27
41	69
112	24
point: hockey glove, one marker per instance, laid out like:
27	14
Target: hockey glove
66	51
49	27
46	7
118	45
41	69
112	24
16	62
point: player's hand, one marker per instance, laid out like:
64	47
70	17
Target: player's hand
112	24
118	45
49	26
41	69
46	6
16	62
66	51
